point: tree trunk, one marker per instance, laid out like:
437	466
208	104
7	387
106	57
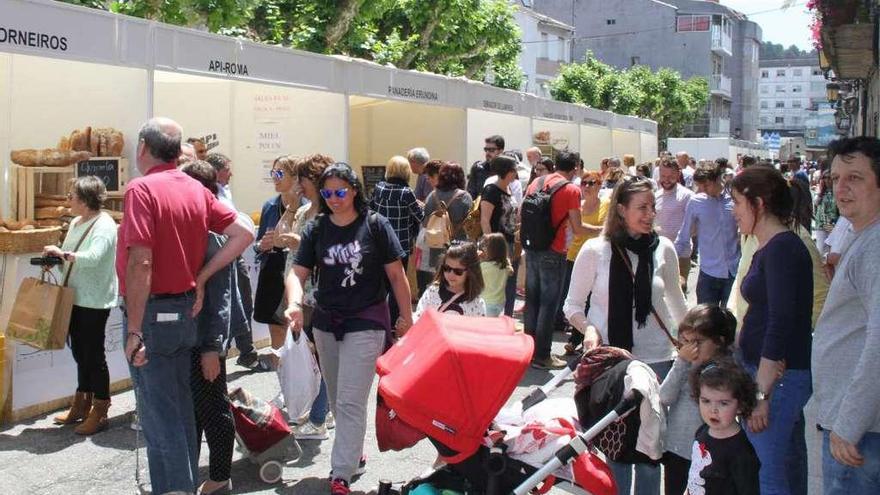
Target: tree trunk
424	37
338	29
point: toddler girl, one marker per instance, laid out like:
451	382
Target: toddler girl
495	267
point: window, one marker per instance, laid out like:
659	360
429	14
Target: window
562	51
795	121
764	104
796	89
610	22
765	120
691	23
817	87
780	120
780	88
817	72
545	50
635	61
780	72
780	104
798	72
765	74
765	89
796	104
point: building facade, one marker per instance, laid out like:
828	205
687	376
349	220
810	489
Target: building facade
696	38
789	90
546	46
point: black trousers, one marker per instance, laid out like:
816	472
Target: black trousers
676	468
86	332
213	417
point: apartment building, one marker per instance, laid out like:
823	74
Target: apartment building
546	46
789	90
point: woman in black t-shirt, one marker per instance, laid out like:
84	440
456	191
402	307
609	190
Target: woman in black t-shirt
352	252
497	211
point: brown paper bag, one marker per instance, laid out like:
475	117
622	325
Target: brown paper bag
41	314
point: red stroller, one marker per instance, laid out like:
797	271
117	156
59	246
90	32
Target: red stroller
263	434
446	380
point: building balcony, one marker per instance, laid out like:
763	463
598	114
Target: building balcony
722	43
719	127
720	85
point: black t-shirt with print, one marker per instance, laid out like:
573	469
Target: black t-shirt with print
350	263
504	215
723	466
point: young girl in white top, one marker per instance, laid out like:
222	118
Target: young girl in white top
457	284
495	267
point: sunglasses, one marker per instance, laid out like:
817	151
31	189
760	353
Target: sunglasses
457	271
276	174
340	193
490	150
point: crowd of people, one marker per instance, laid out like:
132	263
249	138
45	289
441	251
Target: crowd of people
791	248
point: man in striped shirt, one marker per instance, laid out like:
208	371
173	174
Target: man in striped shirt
671	200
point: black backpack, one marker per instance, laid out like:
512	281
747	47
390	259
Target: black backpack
537	230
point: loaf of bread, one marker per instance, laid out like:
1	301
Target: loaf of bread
43	202
107	141
79	140
56	197
51	212
115	143
64	143
10	224
49	222
48	157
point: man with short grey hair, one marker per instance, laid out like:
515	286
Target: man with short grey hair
160	254
418	157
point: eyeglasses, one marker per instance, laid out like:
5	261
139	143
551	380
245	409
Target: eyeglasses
696	342
276	173
490	150
540	170
328	193
457	271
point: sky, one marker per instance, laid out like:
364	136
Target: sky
786	27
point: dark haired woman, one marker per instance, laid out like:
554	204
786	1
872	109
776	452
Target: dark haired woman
89	252
776	330
449	191
353	252
626	272
458	284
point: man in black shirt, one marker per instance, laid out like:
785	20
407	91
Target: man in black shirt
480	170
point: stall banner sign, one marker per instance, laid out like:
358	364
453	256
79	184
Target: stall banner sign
484	97
820	127
197	52
384	83
270	141
38	29
552	110
373	174
112	171
272	107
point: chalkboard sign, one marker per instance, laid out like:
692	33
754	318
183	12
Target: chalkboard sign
112	170
373	174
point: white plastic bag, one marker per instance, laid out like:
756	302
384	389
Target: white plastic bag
299	375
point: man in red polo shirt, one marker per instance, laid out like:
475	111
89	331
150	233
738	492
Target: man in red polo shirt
545	269
159	257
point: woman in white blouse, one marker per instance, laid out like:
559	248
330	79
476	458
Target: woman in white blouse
635	301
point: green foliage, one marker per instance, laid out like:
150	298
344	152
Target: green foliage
453	37
661	96
774	51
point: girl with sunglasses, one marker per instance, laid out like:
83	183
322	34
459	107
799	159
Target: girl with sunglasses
353	252
457	284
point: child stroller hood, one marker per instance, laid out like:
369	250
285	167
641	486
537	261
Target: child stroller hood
450	375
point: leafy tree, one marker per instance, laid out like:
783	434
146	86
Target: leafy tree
661	96
478	39
774	51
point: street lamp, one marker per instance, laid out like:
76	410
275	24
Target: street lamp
832	91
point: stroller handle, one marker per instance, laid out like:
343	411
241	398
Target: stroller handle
579	444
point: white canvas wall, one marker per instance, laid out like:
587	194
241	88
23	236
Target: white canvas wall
515	129
595	145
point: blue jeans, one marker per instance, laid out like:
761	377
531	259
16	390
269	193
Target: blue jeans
840	479
545	274
713	290
318	412
164	397
782	448
510	285
647	475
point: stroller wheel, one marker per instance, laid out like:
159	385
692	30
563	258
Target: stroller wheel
270	471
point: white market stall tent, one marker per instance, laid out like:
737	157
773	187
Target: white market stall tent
64	67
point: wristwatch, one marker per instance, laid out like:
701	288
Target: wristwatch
761	395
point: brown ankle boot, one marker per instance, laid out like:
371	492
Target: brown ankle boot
97	419
79	409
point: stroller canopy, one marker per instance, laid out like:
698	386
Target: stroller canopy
450	375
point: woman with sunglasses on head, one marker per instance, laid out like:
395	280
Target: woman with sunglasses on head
457	285
271	251
353	252
593	212
630	275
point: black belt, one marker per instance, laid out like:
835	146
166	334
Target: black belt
190	292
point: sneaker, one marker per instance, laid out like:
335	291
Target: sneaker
299	421
247	360
329	421
550	363
339	486
310	431
135	423
362	466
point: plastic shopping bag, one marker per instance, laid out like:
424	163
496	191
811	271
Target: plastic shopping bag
299	375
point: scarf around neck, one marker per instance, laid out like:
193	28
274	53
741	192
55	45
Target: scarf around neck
626	291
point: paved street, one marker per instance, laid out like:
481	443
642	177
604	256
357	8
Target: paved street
39	458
